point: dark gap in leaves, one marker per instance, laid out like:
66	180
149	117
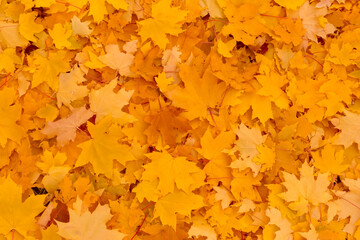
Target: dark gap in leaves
39	191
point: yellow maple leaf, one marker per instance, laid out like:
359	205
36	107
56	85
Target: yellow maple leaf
349	126
306	188
46	69
28	27
165	19
9	129
103	148
177	202
98	8
163	82
60	35
16	215
330	160
49	112
90	226
172	171
70	88
198	94
212	148
243	185
248	139
105	101
261	106
271	87
266	157
10	35
118	60
223	195
80	28
224	49
65	128
346	205
54	169
312	19
148	190
8	60
285	231
201	228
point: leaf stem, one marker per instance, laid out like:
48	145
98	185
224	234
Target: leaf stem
266	15
138	230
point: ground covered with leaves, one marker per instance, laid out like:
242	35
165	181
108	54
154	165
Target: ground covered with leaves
160	119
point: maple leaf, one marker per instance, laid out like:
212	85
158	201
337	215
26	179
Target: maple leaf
103	148
27	26
164	20
168	123
9	59
347	204
225	221
261	106
177	202
89	226
201	228
148	190
47	69
49	112
163	82
69	89
171	171
306	188
211	148
198	95
223	195
310	17
118	60
330	160
60	35
16	215
289	31
104	102
10	36
271	87
65	128
311	234
8	127
98	8
243	185
145	64
129	217
55	175
54	169
244	31
81	28
248	141
266	158
224	49
344	55
348	126
276	218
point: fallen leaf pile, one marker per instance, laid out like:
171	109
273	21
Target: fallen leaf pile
170	119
